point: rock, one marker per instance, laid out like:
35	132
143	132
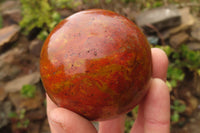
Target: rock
183	129
165	34
194	46
153	40
9	56
8	35
23	43
178	39
21	102
161	18
11	12
37	114
35	47
45	127
5	109
12	16
190	100
34	128
129	11
17	62
65	12
9	4
3	94
194	127
187	20
16	84
197	86
17	129
8	70
195	33
192	104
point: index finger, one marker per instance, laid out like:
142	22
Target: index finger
160	63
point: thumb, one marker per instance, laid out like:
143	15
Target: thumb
62	120
65	121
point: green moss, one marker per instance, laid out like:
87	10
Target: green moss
38	14
35	14
65	3
128	125
28	91
19	117
181	59
177	107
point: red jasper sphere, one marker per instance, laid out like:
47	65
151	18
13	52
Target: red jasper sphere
96	63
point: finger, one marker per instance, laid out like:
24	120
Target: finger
160	63
113	126
154	111
50	104
157	119
65	121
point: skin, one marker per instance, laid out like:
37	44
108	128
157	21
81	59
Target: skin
153	115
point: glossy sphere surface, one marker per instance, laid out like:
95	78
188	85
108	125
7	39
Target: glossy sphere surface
97	64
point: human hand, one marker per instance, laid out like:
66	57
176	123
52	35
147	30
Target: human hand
153	114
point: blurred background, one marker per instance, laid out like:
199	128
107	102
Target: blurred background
172	25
